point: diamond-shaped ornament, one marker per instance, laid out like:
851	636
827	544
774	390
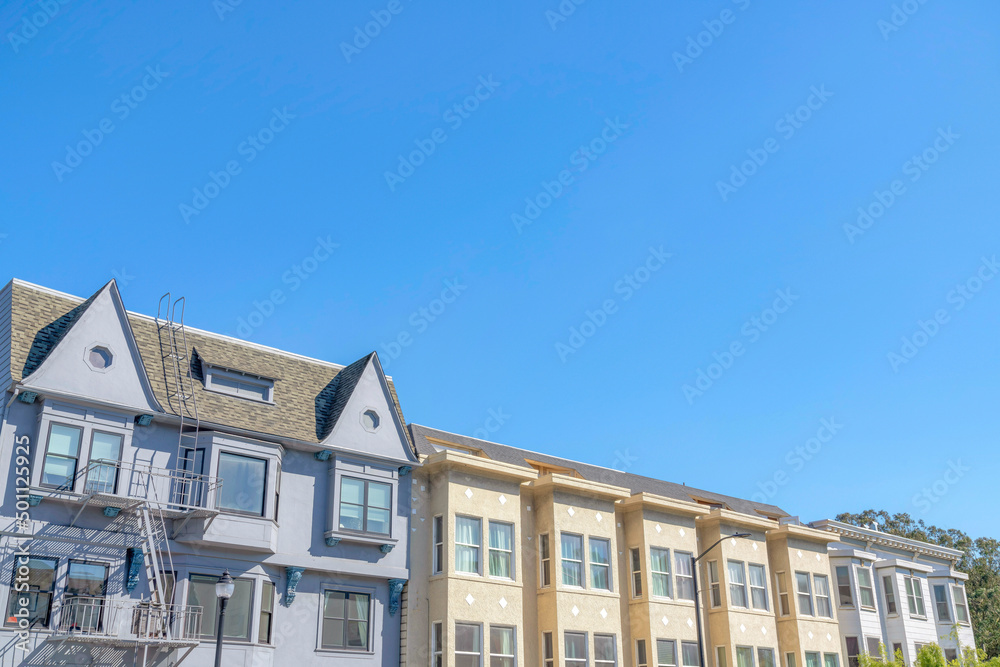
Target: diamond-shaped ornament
503	603
571	511
503	500
468	493
470	599
575	610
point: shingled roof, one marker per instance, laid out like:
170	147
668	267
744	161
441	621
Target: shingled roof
635	483
309	394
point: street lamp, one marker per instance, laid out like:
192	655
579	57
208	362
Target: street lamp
223	590
697	600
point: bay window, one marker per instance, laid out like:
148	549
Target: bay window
201	593
468	542
659	568
243	483
365	506
62	456
572	559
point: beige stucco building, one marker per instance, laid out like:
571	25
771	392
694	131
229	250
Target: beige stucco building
519	558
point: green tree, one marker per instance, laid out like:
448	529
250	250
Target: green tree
981	561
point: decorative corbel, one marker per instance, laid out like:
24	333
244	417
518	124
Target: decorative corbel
293	575
395	593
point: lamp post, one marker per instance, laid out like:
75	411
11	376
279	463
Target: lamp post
697	600
223	590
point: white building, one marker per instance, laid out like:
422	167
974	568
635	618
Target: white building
898	592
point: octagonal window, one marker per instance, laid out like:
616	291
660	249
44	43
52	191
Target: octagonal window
100	357
370	420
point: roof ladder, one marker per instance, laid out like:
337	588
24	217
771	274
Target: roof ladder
174	356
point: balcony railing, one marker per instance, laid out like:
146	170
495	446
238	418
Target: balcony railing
173	489
128	620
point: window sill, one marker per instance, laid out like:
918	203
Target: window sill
345	651
338	536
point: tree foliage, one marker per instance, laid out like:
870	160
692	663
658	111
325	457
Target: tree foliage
981	561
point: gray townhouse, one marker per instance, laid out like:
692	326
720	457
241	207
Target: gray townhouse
140	459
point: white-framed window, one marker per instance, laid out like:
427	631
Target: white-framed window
600	569
781	583
890	594
914	595
744	656
714	585
437	644
737	584
501	550
41	583
804	591
438	544
853	651
62	456
874	646
575	653
635	561
102	469
468	543
502	653
689	654
572	559
548	650
365	506
605	651
239	609
346	621
684	575
545	559
822	589
865	592
242	385
721	660
265	620
758	586
468	645
961	605
844	592
765	657
941	603
641	657
659	572
666	653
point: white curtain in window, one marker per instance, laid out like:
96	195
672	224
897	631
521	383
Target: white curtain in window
500	547
467	533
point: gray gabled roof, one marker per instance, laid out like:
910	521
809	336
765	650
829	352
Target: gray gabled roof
635	483
309	394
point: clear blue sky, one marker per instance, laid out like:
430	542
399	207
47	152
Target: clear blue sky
309	128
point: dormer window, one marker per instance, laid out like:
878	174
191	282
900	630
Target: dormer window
240	384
